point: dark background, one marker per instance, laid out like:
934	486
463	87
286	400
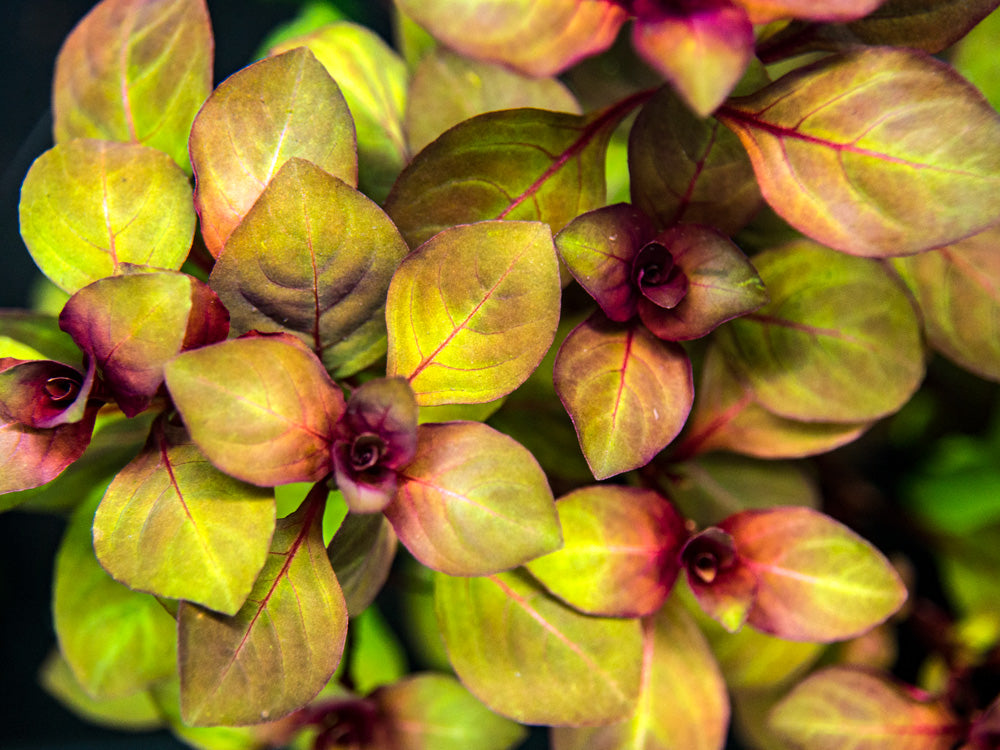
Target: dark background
31	32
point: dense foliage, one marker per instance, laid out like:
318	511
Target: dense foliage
576	300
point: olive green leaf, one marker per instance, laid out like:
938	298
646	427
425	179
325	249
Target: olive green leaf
361	553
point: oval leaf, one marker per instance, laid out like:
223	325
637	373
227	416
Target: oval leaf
313	258
874	152
620	553
135	71
683	703
256	120
843	708
173	525
804	353
361	553
612	378
281	648
472	312
262	409
538	37
88	206
528	656
816	579
473	501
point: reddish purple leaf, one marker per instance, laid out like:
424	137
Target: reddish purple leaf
724	587
31	457
42	393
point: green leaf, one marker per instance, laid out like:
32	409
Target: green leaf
528	656
171	524
117	641
361	553
620	553
537	37
313	258
167	696
253	123
262	409
958	291
611	378
973	56
37	335
525	164
135	71
376	656
473	501
373	79
874	152
683	703
816	579
804	353
683	168
281	648
472	312
89	206
434	712
448	88
843	708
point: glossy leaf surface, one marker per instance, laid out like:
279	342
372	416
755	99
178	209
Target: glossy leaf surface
472	312
683	168
88	206
473	501
874	152
173	525
850	709
805	352
361	553
281	107
530	657
516	164
682	703
611	378
280	649
132	325
538	37
262	409
135	71
816	579
958	291
434	712
448	88
313	258
620	553
116	641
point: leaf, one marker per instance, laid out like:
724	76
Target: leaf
957	289
804	353
517	164
373	80
116	641
874	152
434	712
683	168
703	52
816	579
173	525
313	258
448	88
167	696
972	56
472	312
724	588
361	553
88	206
473	501
537	37
376	655
135	71
765	11
36	334
282	107
262	409
620	553
845	708
132	325
281	648
683	703
530	657
31	457
611	378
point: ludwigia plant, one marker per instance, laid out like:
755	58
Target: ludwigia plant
541	342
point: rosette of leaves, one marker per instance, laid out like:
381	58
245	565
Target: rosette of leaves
345	333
